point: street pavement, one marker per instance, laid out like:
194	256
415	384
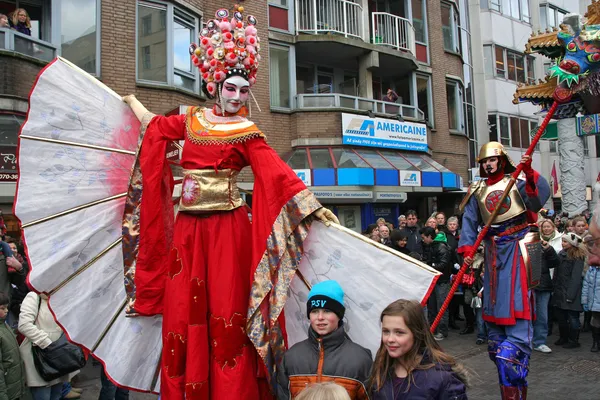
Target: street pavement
562	374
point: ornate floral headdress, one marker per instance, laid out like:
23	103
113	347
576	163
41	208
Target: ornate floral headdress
227	47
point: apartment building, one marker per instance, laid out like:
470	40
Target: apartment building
326	66
501	64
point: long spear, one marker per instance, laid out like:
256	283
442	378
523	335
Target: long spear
483	232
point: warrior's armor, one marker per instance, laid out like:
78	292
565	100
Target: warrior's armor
510	250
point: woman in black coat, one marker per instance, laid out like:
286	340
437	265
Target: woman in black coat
567	290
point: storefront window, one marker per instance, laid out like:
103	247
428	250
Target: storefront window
374	159
348	159
398	161
9	133
321	158
298	160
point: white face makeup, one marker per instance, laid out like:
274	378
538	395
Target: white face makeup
235	93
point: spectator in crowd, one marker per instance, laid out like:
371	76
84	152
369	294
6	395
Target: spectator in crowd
328	354
384	235
110	391
324	391
567	290
398	241
552	235
542	294
4	21
440	258
440	218
402	222
391	96
569	226
19	287
586	215
432	222
412	232
373	232
12	378
452	226
558	223
590	293
477	303
580	226
21	22
380	222
40	329
409	363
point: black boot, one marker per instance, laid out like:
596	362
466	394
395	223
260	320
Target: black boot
596	339
563	330
587	318
573	339
468	329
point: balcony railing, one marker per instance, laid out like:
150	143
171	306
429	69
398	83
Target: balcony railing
27	45
341	17
394	31
337	100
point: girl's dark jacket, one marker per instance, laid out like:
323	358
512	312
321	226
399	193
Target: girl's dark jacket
439	382
549	260
567	283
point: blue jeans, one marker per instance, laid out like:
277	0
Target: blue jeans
47	392
441	292
540	326
111	392
481	329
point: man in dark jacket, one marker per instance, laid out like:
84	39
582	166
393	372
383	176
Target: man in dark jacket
328	353
411	230
439	257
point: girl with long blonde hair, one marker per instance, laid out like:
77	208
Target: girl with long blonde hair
409	362
21	22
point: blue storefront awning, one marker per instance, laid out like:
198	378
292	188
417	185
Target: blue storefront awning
343	166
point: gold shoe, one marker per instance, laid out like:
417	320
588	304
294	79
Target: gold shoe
72	395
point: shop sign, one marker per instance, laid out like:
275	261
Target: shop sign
8	163
410	178
304	175
342	194
360	130
391	196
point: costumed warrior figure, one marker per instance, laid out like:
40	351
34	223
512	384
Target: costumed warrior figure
220	281
508	301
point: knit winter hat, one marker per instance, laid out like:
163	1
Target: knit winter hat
327	295
573	239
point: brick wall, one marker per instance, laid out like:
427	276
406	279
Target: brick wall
17	75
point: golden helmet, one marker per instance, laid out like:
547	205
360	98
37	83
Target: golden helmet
494	149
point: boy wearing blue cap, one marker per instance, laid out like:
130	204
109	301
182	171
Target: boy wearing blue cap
328	354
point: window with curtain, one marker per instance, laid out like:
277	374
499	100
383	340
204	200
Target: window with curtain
500	65
79	33
454	99
165	32
279	72
419	20
488	60
504	130
551	16
450	28
424	98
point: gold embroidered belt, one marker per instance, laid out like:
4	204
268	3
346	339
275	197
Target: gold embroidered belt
207	190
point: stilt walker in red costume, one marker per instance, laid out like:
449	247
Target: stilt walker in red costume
510	262
219	281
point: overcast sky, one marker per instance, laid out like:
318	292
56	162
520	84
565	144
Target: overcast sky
78	18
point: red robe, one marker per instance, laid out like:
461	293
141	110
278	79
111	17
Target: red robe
199	272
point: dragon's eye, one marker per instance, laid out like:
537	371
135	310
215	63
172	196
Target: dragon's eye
594	57
572	46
